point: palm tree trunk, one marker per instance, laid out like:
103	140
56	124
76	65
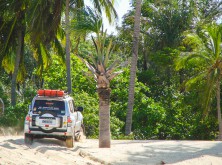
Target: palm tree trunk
104	117
68	65
16	68
133	68
219	110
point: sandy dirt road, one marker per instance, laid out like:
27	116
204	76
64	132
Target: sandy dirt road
13	151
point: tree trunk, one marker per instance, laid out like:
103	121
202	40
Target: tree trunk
133	68
219	111
68	65
104	117
16	68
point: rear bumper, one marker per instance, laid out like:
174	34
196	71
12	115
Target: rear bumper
49	135
56	132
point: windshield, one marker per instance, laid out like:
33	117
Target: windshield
55	106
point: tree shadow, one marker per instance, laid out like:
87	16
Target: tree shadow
178	151
7	143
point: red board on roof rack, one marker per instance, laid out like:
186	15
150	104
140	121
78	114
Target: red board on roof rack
52	93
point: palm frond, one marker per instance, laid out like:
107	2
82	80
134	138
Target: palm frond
88	21
95	45
90	74
189	83
113	75
10	32
60	51
113	66
184	58
108	6
94	61
89	66
44	55
108	52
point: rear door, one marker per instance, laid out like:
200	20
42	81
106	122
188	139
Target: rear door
47	114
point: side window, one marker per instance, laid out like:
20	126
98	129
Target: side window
71	107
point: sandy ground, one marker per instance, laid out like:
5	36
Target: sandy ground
157	152
13	151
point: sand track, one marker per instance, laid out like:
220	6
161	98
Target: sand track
13	151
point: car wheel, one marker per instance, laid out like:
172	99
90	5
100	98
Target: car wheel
28	139
81	134
70	142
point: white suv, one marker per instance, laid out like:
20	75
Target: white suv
53	114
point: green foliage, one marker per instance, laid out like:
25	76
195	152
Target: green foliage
28	94
14	116
90	113
3	89
163	109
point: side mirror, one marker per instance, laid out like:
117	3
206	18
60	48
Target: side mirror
80	109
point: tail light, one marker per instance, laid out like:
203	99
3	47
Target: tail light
69	121
28	118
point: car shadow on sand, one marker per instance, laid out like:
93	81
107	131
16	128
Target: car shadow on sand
41	145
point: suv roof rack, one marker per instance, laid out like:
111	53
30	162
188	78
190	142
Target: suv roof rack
52	93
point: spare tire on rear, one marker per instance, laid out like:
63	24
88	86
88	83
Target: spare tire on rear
53	115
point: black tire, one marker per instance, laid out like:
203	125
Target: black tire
69	142
28	139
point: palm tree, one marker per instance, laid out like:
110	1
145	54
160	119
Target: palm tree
208	53
91	21
68	65
133	67
13	31
100	70
44	25
103	73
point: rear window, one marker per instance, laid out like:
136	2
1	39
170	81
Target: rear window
55	106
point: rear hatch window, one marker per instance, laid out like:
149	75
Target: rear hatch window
55	106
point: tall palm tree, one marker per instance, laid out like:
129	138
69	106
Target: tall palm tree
103	72
208	54
13	32
44	25
91	21
133	67
68	64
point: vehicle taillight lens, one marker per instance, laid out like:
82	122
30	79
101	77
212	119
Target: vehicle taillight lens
28	118
69	120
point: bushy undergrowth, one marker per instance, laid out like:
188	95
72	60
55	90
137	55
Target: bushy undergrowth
14	116
170	116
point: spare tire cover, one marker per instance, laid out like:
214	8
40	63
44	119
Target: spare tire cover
47	129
